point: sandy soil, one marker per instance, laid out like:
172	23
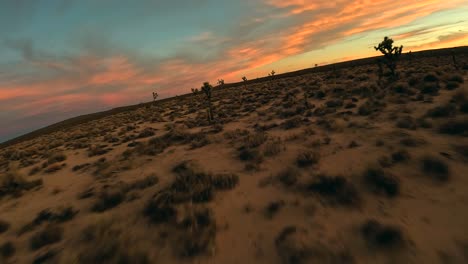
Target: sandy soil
334	167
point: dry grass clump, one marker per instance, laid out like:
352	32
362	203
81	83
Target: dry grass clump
455	127
381	182
108	199
382	237
296	246
307	158
435	168
196	233
7	250
273	208
336	189
51	234
4	226
12	183
289	176
104	242
60	215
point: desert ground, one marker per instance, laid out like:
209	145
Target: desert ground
343	166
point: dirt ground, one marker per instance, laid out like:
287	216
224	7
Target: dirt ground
335	167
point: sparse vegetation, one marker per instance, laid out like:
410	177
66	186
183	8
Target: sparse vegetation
382	182
435	168
381	237
50	235
391	53
12	183
307	158
336	189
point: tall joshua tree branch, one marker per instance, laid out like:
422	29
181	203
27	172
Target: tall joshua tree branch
206	88
391	53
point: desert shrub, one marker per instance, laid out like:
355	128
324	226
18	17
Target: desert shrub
456	78
34	170
159	208
430	88
225	181
55	158
334	103
7	250
462	150
80	166
273	147
454	127
198	233
46	257
105	243
254	140
108	199
336	189
452	85
435	168
400	156
409	141
147	132
60	215
12	183
442	111
307	158
141	184
50	235
381	182
289	176
54	168
294	246
406	122
250	154
4	226
381	236
430	77
292	123
97	150
273	208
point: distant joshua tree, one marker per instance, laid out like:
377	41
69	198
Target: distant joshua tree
155	96
391	54
206	88
454	60
245	81
221	82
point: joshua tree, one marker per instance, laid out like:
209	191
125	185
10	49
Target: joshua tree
221	82
272	76
206	88
391	54
155	96
245	81
454	60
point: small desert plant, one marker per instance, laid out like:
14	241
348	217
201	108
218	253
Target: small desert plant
4	226
382	236
436	168
273	207
108	199
12	183
206	89
454	127
391	54
50	235
7	250
337	189
307	158
289	176
381	182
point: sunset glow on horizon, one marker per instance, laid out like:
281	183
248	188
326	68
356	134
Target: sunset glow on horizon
60	59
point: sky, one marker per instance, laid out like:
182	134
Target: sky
63	58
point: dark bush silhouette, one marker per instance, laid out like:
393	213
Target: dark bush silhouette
435	168
382	236
382	182
50	235
391	54
336	189
7	250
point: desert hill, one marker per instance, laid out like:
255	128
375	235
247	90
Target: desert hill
334	164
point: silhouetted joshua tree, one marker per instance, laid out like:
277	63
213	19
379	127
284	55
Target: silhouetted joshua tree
391	54
221	82
206	88
272	76
155	96
454	60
